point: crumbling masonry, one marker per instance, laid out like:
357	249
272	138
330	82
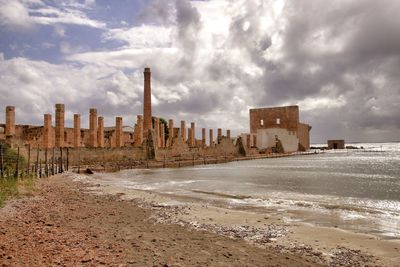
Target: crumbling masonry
151	138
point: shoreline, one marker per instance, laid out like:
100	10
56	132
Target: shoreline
71	223
64	224
319	243
178	162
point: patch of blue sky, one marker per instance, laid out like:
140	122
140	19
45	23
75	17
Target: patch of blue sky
117	14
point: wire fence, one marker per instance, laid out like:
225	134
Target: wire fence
37	163
45	162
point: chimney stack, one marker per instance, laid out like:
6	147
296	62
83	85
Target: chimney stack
147	123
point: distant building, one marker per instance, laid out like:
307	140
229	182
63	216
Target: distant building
335	144
268	125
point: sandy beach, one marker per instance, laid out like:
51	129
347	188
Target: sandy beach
69	222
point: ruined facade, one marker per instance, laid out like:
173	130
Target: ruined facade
268	125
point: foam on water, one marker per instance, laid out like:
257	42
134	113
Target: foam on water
360	189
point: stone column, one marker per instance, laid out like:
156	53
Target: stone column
147	123
157	131
60	112
228	134
193	135
100	131
162	135
10	121
139	131
118	132
135	134
211	138
203	137
77	130
93	127
190	137
170	132
47	140
219	137
183	131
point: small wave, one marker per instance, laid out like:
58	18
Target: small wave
225	195
350	208
184	182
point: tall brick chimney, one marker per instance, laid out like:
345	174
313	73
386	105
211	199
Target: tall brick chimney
147	124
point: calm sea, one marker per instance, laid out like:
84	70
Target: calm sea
356	190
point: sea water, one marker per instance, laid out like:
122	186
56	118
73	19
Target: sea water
356	190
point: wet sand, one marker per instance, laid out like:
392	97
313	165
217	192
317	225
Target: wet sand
73	223
62	224
324	245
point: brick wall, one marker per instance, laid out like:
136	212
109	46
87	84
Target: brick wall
277	117
303	133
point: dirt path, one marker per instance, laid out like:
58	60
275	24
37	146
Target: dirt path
63	225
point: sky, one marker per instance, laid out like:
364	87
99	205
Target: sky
211	61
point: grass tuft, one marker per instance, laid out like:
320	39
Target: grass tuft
8	188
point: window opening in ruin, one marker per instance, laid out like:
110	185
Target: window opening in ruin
278	121
65	136
262	122
2	130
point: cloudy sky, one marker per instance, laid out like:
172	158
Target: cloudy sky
211	61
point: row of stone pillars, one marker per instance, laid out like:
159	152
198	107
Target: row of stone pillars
96	130
175	132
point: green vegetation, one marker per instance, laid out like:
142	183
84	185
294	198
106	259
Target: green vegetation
8	188
12	183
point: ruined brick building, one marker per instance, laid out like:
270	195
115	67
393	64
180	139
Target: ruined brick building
153	135
267	125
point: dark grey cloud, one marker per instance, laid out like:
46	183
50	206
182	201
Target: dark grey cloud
339	50
188	27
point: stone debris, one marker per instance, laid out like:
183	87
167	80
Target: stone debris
342	256
260	236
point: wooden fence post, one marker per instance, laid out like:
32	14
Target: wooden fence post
67	158
46	168
52	163
79	160
16	164
40	168
61	170
29	160
37	162
1	162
